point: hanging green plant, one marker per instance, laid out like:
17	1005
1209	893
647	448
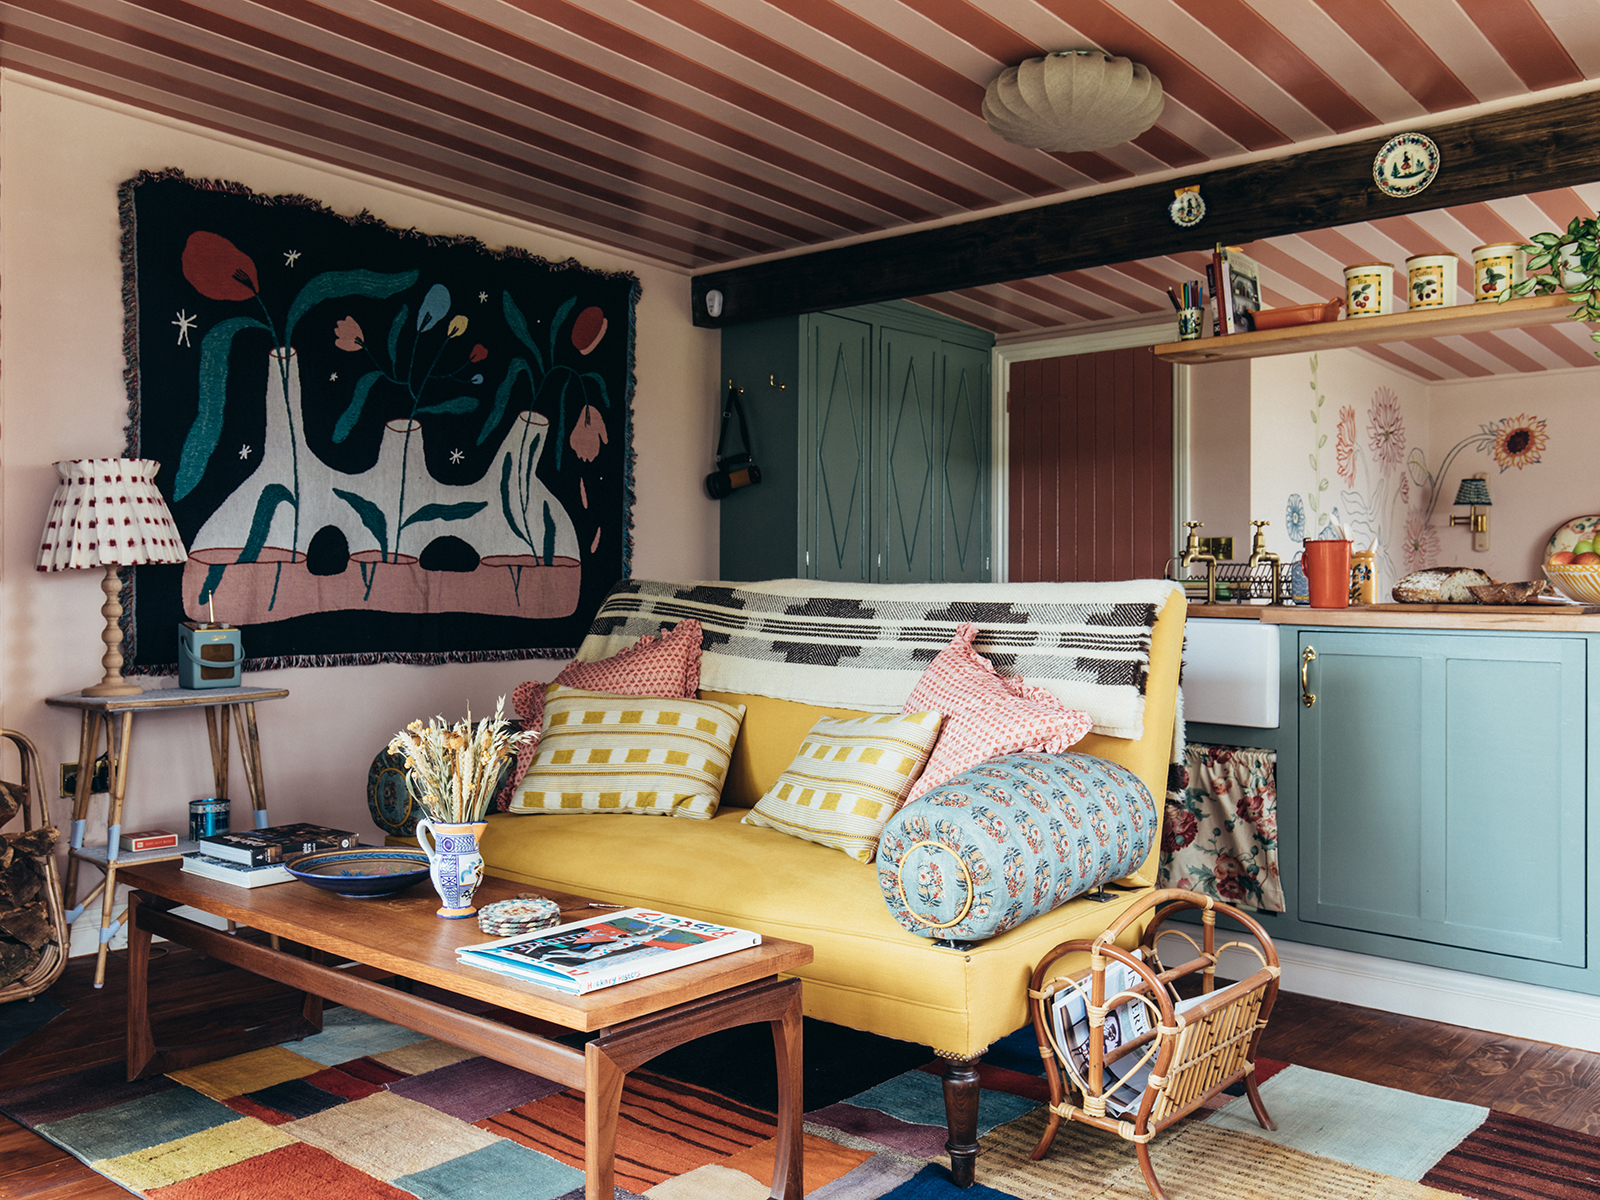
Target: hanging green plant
1566	262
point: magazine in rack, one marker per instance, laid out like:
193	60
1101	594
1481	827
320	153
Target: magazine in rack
600	951
1124	1081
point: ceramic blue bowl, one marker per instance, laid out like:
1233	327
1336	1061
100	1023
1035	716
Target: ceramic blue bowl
362	873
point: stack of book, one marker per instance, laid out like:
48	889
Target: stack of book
1234	280
251	858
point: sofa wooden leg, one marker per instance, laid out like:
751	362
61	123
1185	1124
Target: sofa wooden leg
961	1118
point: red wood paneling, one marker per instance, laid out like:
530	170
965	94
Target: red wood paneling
1090	487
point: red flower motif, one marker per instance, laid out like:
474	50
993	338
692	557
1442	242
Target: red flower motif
217	268
1180	829
478	354
589	434
347	334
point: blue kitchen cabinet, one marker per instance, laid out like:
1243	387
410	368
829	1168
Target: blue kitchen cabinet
1441	792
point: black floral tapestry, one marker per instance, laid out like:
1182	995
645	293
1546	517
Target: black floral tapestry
379	446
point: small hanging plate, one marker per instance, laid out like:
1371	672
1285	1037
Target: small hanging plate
1405	165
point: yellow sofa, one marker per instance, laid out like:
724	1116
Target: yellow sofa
868	973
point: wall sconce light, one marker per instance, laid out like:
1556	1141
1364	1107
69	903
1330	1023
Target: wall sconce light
1474	493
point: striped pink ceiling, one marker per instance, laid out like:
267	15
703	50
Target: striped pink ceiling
705	133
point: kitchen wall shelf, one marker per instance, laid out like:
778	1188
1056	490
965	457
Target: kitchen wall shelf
1482	317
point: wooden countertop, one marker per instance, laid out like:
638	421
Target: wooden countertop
1546	618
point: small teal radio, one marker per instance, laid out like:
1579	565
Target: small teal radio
209	655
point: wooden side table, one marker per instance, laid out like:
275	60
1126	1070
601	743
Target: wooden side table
111	717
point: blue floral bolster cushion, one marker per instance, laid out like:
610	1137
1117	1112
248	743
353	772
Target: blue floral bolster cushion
1011	838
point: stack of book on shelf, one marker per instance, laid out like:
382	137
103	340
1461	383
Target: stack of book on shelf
250	858
1234	281
601	951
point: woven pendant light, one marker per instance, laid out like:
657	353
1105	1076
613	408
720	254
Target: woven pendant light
1073	100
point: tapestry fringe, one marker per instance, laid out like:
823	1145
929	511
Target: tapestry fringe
285	661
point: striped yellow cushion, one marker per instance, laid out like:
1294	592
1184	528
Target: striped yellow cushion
848	779
636	754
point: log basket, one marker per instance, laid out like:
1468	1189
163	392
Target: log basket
1193	1055
31	917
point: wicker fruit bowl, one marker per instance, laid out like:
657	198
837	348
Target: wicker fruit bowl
1575	582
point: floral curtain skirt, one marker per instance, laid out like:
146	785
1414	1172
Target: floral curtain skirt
1220	837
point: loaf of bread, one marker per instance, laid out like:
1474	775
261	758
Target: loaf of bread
1441	585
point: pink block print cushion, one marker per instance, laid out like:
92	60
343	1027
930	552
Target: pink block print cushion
665	665
985	713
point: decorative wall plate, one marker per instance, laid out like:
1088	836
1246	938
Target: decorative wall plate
388	799
1406	164
1572	532
1187	208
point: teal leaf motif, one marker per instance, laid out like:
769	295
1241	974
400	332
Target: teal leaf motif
332	285
371	516
358	399
207	428
505	500
502	396
394	332
518	325
267	504
461	404
556	323
601	384
446	512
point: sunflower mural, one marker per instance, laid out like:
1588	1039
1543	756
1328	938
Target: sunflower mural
377	445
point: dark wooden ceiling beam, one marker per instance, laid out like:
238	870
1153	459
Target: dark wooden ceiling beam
1510	153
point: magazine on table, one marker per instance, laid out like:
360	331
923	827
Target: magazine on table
1124	1081
600	951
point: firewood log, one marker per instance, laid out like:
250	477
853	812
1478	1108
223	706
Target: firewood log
11	797
19	883
35	842
29	925
16	960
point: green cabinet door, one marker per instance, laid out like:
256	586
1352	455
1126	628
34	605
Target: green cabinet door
836	378
905	477
964	468
1442	789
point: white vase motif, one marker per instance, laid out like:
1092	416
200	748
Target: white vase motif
454	864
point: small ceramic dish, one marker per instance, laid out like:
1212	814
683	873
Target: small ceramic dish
1303	314
362	873
1572	532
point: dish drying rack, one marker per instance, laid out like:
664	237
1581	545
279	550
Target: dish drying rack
1260	579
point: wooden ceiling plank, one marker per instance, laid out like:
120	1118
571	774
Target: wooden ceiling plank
1396	358
1564	342
1550	144
1281	61
1520	36
1398	49
622	91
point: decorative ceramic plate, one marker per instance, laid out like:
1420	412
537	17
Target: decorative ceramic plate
1405	165
1574	531
388	799
362	873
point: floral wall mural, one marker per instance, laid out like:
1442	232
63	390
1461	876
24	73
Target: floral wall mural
378	445
1368	468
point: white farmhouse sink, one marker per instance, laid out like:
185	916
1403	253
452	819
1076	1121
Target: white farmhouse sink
1230	672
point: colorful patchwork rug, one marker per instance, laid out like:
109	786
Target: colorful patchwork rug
368	1110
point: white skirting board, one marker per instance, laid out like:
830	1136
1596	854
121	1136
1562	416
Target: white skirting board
1483	1002
83	936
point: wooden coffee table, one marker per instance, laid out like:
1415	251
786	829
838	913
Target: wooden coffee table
400	936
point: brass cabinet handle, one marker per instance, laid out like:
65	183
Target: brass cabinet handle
1307	657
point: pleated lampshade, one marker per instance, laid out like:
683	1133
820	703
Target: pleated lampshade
108	512
1073	100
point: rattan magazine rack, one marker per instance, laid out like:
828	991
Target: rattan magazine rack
1167	1055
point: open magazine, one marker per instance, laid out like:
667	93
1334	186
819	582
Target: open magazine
1125	1079
600	951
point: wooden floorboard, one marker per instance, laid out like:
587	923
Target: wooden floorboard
193	997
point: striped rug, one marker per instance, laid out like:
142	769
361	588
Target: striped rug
371	1111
